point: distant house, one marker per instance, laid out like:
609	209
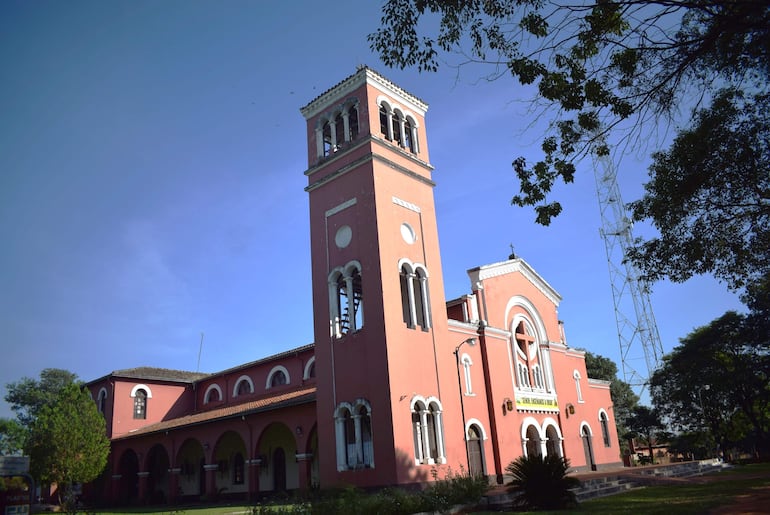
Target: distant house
399	382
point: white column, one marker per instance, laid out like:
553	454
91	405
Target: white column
425	436
401	131
351	303
319	141
346	124
439	425
334	315
425	304
333	132
339	424
359	440
412	309
389	115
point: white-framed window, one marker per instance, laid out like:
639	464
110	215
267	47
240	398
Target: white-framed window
398	126
537	375
337	128
353	429
141	393
278	376
428	431
213	394
415	300
604	422
346	299
523	375
578	390
467	363
243	386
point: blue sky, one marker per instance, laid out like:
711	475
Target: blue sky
151	185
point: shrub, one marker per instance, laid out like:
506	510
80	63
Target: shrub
542	482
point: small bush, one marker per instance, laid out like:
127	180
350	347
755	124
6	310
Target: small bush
543	482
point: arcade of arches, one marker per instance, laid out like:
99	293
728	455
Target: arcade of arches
159	469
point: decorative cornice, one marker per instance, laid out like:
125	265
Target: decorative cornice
511	266
363	76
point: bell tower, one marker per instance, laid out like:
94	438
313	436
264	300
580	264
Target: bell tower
378	295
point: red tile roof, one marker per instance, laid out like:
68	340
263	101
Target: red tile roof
291	398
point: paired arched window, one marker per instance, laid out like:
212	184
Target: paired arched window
346	300
337	128
353	428
428	431
141	393
415	301
398	127
541	439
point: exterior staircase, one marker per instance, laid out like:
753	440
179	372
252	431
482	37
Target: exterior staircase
609	482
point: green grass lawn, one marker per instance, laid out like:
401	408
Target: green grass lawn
686	498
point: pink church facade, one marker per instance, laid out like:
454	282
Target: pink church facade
400	385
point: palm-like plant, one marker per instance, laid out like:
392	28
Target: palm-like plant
542	482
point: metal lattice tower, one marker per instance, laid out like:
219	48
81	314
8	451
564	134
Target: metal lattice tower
640	346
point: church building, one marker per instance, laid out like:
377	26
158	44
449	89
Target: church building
400	385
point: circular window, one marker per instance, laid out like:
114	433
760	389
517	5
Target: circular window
408	233
343	236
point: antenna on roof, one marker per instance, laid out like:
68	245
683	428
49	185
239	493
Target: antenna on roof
200	348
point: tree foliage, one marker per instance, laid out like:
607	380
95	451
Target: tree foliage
718	379
28	397
614	72
623	397
68	443
709	220
12	437
647	425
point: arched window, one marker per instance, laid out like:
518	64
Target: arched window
576	376
352	113
140	393
605	428
533	442
428	432
386	128
523	375
278	376
553	441
410	133
140	404
346	289
101	400
213	394
466	361
328	138
537	374
354	436
243	386
309	369
398	128
415	301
